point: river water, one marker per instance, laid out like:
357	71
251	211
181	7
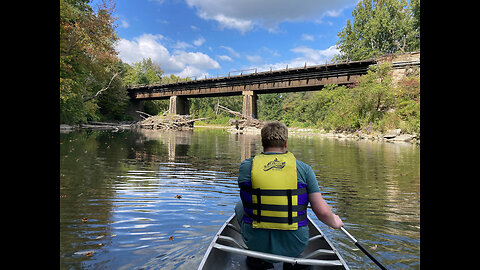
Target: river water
119	207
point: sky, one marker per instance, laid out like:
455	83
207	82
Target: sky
198	38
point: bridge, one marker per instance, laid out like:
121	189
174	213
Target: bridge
311	78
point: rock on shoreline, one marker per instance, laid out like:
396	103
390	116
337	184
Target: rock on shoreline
394	135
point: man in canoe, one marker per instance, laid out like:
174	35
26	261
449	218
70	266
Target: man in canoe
275	189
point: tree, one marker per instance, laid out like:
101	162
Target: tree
380	27
88	60
270	106
143	72
174	79
146	72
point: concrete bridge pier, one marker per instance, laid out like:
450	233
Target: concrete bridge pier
249	104
179	105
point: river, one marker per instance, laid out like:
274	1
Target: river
154	200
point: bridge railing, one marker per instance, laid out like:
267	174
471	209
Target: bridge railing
235	72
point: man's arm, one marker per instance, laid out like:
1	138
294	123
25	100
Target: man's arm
323	211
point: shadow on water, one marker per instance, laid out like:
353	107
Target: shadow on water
150	200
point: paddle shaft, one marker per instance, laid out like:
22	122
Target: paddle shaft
363	249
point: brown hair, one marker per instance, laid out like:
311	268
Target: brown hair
274	134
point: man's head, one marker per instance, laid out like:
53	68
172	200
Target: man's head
274	134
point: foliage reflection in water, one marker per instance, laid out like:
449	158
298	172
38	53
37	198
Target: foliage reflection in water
154	200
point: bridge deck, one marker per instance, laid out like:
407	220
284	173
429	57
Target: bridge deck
284	80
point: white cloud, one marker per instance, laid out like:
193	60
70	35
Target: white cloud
308	37
229	22
181	45
232	52
180	62
246	14
225	58
315	57
254	58
124	24
199	41
307	55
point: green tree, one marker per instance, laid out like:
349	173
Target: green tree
88	61
270	106
173	79
146	72
380	27
113	103
143	72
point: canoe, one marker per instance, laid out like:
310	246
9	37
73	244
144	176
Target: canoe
228	251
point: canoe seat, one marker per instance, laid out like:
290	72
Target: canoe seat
231	241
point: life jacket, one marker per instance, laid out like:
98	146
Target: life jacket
274	199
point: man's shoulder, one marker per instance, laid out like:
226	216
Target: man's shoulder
303	166
244	171
246	162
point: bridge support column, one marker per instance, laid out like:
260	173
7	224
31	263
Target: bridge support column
179	105
249	104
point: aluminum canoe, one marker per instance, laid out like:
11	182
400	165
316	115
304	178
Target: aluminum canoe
228	251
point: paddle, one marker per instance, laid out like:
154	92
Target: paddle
363	249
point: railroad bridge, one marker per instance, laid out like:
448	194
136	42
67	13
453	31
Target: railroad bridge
307	78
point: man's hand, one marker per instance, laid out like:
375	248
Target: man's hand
337	222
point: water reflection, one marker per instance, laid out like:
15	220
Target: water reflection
126	184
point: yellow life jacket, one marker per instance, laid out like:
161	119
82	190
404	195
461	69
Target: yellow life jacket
275	193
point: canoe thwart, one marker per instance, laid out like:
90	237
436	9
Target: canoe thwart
280	258
231	226
319	252
315	237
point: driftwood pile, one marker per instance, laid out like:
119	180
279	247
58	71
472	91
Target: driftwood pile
245	122
168	122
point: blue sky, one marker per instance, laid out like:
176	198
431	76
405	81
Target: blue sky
211	37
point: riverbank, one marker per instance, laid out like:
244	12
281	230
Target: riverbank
392	136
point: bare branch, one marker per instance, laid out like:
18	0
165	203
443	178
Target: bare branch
103	89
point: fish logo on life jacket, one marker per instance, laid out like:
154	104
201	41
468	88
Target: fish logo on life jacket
275	164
